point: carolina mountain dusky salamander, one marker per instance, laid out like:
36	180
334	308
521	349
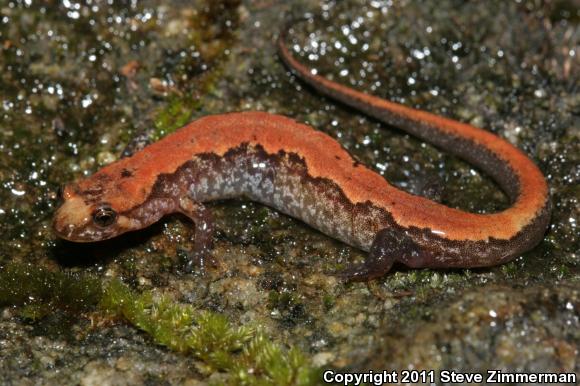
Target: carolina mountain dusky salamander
304	173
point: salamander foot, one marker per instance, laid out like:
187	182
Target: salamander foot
200	255
388	246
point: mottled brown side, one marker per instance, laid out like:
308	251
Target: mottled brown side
280	180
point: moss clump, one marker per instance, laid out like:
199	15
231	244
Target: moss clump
265	363
244	354
179	327
176	114
40	290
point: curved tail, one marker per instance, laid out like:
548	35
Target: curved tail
522	225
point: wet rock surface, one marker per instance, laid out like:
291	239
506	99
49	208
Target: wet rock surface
84	83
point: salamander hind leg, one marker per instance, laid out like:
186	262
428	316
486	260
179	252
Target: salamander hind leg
388	246
202	218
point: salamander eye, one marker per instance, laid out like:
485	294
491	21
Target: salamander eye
104	216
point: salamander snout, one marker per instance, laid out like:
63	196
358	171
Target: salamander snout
81	221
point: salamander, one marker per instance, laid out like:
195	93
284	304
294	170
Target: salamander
306	174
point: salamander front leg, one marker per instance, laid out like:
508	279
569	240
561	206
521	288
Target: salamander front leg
388	246
202	218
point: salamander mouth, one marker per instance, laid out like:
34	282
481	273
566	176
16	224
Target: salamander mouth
81	234
73	222
70	232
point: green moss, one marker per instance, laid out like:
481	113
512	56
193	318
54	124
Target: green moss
243	353
181	328
39	289
35	312
265	363
175	115
510	270
328	301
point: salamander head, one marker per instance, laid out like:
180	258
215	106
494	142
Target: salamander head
85	217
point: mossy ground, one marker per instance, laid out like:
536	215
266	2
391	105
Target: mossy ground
83	84
242	355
